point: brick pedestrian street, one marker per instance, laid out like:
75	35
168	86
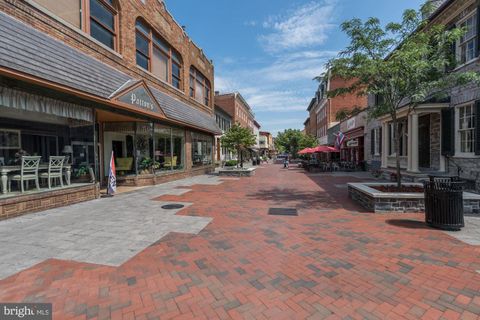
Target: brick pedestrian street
332	261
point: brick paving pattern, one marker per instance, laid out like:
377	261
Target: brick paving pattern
332	261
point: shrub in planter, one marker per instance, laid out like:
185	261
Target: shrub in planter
231	163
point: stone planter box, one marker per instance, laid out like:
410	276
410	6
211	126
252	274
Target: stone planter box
236	172
384	202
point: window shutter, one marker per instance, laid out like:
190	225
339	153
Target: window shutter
372	142
448	132
477	127
380	140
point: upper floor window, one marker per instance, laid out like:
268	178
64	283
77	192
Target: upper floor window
466	46
466	128
157	56
103	23
96	17
199	87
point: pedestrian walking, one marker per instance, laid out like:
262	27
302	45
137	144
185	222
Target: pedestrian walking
286	162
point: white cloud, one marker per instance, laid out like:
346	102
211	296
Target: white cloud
303	27
280	85
298	65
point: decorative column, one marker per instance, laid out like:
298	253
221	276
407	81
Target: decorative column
443	163
409	144
385	142
414	166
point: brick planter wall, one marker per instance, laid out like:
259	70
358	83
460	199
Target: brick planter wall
16	206
237	173
384	203
151	180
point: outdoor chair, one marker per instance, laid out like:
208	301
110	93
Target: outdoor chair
28	172
55	170
170	161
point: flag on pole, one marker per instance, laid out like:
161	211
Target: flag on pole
112	177
339	140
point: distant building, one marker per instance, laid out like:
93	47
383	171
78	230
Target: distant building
323	110
267	147
224	122
237	107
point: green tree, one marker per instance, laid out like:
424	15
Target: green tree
237	140
404	63
308	141
293	140
342	114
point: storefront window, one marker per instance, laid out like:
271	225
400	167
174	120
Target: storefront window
169	146
202	146
163	148
119	137
25	133
178	149
144	148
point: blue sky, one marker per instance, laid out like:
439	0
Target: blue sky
270	50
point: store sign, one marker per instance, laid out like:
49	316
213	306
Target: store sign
140	98
352	143
350	123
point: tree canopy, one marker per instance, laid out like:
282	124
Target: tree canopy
294	140
404	64
238	139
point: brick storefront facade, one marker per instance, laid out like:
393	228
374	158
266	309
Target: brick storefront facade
237	107
153	12
125	82
323	109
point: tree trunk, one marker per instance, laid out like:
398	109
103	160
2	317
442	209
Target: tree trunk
241	157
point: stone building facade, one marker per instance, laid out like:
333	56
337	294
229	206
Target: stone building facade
444	136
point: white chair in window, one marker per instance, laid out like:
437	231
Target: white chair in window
28	172
55	170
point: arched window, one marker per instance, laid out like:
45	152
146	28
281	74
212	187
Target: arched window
199	86
102	22
157	56
99	18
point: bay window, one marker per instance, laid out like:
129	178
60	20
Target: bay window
403	138
155	55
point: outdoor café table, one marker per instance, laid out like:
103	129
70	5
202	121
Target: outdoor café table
5	170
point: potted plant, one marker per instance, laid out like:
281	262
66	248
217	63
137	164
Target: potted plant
82	174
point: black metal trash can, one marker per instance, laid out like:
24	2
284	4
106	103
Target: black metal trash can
444	202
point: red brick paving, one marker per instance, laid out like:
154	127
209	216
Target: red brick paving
333	261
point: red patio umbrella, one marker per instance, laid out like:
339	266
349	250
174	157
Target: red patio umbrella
306	151
325	149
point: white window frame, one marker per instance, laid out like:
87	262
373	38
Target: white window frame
458	142
376	142
458	49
